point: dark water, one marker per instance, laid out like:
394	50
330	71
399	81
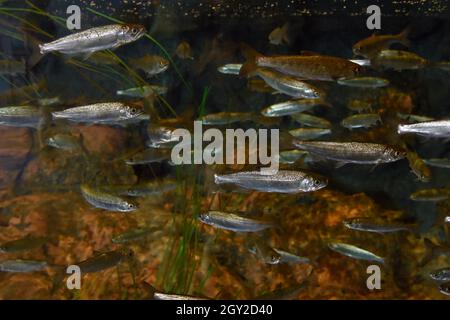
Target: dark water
41	194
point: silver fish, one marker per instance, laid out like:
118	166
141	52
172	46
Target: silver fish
166	296
432	195
441	274
64	142
413	118
367	120
103	200
143	92
95	39
440	163
21	116
288	85
20	266
291	156
364	82
309	133
148	156
284	181
290	107
354	252
222	118
361	62
106	113
233	222
132	235
289	258
231	68
161	137
445	288
265	252
311	121
438	128
365	224
151	64
352	152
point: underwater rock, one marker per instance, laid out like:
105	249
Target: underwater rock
102	140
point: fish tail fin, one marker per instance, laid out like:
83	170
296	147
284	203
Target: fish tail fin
403	36
37	51
430	249
250	54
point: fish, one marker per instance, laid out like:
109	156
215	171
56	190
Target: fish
288	85
223	118
161	137
306	67
311	121
439	163
433	129
432	251
364	82
291	156
104	58
284	181
148	156
22	266
433	195
371	46
413	118
144	189
233	222
445	65
230	68
289	258
104	260
366	120
309	133
23	244
361	62
360	106
265	252
441	274
369	225
184	51
352	152
151	64
21	116
355	252
64	142
12	67
132	235
279	35
166	296
95	39
49	102
398	60
103	200
418	166
444	288
286	108
143	92
100	113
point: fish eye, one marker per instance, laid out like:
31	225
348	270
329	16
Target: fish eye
317	182
133	110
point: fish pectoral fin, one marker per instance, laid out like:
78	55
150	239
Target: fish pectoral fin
339	164
374	167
